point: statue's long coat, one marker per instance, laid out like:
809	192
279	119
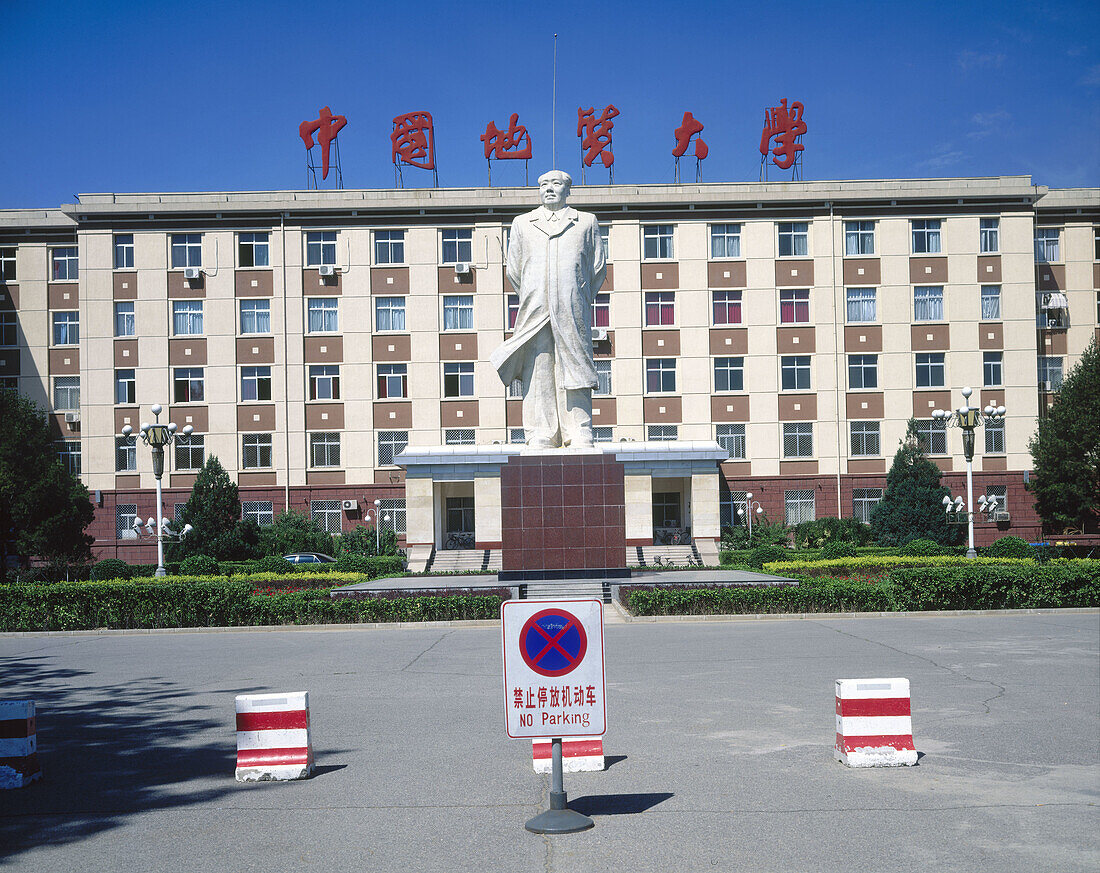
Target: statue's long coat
556	268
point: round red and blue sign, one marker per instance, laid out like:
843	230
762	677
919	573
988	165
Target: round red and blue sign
553	642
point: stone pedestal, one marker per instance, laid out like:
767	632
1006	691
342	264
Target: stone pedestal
562	516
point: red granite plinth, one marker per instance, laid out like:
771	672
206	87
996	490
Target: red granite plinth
562	515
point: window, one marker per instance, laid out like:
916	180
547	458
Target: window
458	311
7	328
324	449
125	386
394	507
863	501
666	509
603	434
928	303
731	437
729	374
389	246
124	318
125	453
995	438
186	250
389	313
992	368
393	381
662	432
391	443
461	436
932	436
1047	248
260	511
1050	373
515	389
603	378
324	314
991	302
255	450
516	436
865	438
321	248
9	383
66	328
605	237
125	520
186	317
1001	493
458	379
657	242
725	241
601	311
930	370
190	451
7	264
255	316
255	383
926	236
795	372
512	304
65	263
726	306
324	382
327	514
794	305
660	375
187	385
124	251
862	371
252	249
660	308
859	237
66	393
459	512
800	506
793	239
989	236
68	452
798	439
458	245
861	304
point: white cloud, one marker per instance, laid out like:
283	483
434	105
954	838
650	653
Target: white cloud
1091	79
971	60
987	123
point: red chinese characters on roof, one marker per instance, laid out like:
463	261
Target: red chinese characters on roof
785	126
413	140
507	145
595	135
326	126
689	128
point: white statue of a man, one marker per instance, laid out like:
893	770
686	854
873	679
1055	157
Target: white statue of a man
556	264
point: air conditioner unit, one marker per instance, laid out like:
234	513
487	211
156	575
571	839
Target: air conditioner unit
599	334
351	504
72	417
1002	515
192	272
327	270
462	268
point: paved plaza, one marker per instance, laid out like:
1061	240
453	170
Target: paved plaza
719	743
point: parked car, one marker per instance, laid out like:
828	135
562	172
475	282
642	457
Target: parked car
309	558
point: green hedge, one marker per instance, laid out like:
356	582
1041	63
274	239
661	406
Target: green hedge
810	595
1004	585
213	602
880	564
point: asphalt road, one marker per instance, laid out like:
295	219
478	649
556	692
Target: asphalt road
719	741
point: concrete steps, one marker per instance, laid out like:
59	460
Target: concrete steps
558	589
658	556
465	561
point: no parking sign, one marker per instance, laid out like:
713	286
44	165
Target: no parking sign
553	668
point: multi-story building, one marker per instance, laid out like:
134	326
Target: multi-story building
309	336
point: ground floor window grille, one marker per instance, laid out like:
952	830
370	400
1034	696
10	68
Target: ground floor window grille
125	519
798	440
391	443
1001	493
603	434
260	511
731	437
463	436
327	514
863	501
394	507
516	436
662	432
800	506
729	504
177	511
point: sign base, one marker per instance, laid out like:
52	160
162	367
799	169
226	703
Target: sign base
558	819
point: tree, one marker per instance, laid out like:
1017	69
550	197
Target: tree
294	532
214	512
912	507
1066	450
44	509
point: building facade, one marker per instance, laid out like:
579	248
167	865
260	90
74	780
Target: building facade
309	336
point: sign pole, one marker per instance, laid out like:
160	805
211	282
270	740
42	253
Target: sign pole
558	819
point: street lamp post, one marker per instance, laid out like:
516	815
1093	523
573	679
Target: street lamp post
968	418
377	528
158	437
747	512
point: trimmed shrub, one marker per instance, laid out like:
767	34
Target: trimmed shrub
821	531
761	555
199	565
838	549
810	595
923	547
1019	585
1008	547
877	565
275	564
374	567
111	568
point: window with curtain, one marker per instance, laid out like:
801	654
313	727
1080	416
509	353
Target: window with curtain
928	303
860	304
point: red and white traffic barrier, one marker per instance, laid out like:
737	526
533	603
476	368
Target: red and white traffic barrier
874	727
273	739
578	754
18	744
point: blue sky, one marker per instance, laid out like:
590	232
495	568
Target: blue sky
204	96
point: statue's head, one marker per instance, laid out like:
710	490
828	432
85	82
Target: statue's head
554	188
